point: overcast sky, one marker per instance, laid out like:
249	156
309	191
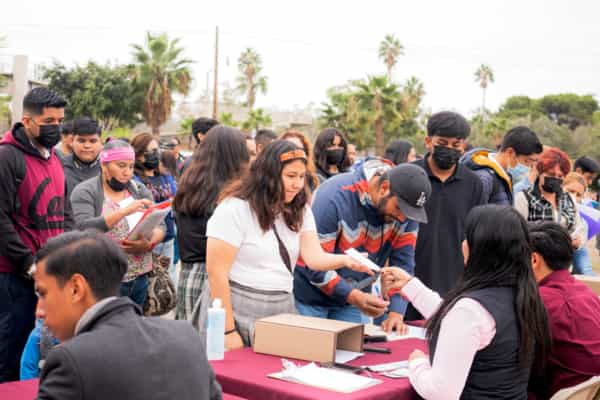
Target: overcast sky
535	47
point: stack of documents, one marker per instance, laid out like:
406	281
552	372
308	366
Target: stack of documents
324	378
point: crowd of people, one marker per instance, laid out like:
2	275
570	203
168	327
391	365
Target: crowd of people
480	243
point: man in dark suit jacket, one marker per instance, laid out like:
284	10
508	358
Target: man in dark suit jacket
108	349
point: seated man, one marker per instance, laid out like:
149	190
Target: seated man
573	311
108	350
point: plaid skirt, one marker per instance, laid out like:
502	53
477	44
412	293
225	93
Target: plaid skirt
248	305
189	287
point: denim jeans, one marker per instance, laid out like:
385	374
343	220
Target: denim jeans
17	320
136	290
581	262
348	313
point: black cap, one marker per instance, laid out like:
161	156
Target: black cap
410	184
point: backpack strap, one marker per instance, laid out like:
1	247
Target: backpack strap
20	171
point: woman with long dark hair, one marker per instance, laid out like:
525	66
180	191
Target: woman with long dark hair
489	332
162	187
222	157
331	150
400	151
255	236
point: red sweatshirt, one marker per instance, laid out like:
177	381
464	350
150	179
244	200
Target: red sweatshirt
34	210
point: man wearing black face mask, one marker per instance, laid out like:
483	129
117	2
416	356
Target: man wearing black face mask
455	190
33	209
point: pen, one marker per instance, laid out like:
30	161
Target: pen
382	350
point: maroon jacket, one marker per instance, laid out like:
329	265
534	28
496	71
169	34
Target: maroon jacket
574	317
34	210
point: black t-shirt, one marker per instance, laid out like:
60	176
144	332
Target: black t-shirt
439	260
191	237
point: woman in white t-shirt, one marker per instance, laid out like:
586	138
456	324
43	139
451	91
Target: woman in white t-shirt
255	236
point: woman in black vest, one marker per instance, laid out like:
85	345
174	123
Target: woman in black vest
491	329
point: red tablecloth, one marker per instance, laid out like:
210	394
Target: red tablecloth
27	390
244	373
21	390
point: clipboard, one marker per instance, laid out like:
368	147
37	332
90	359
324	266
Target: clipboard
150	219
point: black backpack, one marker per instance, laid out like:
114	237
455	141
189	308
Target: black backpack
20	170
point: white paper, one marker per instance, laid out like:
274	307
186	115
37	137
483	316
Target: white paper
359	258
387	367
325	378
344	356
147	225
132	219
414	332
397	373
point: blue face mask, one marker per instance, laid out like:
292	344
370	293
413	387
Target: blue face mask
518	172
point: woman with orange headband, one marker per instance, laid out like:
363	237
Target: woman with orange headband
255	236
105	202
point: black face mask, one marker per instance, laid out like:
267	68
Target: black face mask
49	135
116	185
152	160
552	184
335	156
445	157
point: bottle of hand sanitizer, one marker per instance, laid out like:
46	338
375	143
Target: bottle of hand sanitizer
215	332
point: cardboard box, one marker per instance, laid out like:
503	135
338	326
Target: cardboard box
592	281
306	338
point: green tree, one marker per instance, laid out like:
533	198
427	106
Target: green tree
378	101
256	120
185	125
104	92
520	107
361	108
227	119
251	81
4	100
390	49
161	71
484	76
569	109
2	45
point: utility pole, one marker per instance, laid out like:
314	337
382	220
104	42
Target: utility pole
216	77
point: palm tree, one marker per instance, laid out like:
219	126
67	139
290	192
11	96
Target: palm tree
250	80
378	100
390	49
161	71
413	92
227	119
484	76
256	119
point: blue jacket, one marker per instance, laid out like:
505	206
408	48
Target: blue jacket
30	359
346	218
497	183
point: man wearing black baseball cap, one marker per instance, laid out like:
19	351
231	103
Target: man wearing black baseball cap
412	188
455	190
376	210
